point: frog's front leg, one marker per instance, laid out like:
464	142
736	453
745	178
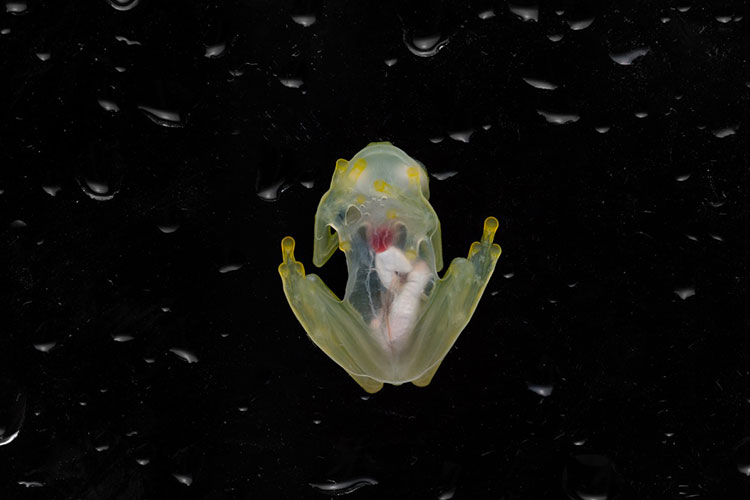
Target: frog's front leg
334	326
453	301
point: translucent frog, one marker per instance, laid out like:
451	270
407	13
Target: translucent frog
398	319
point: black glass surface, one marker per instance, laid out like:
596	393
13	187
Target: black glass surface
153	154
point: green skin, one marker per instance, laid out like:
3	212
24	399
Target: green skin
383	331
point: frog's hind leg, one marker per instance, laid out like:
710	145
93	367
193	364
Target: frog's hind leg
334	326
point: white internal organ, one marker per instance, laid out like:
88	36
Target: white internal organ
404	282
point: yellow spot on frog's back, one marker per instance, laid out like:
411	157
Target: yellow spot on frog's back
413	174
359	166
391	214
341	165
360	199
380	185
411	255
345	246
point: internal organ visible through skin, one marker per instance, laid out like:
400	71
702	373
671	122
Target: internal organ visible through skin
403	280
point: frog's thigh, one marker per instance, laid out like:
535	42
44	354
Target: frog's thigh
369	384
454	300
425	379
329	322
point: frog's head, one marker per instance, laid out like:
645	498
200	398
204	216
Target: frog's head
380	189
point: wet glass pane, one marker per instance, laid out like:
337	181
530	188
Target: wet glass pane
154	154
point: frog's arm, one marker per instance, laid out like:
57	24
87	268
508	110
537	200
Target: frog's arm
334	326
452	303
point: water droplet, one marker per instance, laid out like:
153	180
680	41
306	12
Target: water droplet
122	338
555	37
627	58
340	488
682	178
487	126
45	347
215	50
524	12
51	190
447	494
103	447
487	14
317	421
270	192
724	19
558	118
108	105
163	117
5	31
579	24
305	20
128	41
602	130
120	69
96	190
168	229
43	56
142	461
684	8
641	114
100	171
664	20
436	140
228	268
742	456
590	477
185	479
425	46
292	83
724	132
12	411
462	136
17	224
685	293
508	275
15	7
123	5
31	484
542	390
540	84
185	355
441	176
716	237
391	62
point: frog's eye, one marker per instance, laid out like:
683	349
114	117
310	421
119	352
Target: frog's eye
353	215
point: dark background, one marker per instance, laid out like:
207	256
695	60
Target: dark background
148	180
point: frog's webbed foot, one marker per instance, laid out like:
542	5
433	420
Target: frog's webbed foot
453	301
334	326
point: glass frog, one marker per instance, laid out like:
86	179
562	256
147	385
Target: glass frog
398	319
